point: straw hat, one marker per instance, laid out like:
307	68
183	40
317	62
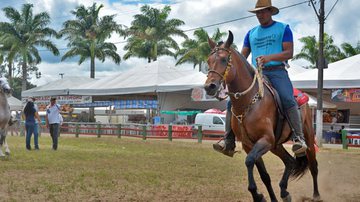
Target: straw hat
263	4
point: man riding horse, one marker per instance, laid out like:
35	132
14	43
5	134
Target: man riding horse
271	45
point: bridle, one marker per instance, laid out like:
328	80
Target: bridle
223	76
237	95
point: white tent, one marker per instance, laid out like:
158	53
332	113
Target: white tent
340	74
15	104
143	79
194	79
58	87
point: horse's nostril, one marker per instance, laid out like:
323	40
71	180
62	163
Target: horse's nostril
212	86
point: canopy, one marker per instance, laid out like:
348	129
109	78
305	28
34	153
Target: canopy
214	111
58	87
141	79
181	112
313	103
15	104
340	74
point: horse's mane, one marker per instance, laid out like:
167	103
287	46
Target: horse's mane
248	66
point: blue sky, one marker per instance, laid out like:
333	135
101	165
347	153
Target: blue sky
343	24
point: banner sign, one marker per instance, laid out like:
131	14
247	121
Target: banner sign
122	104
68	99
346	95
199	94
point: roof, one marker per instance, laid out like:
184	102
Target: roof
340	74
141	79
57	87
15	104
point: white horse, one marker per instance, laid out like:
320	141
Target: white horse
5	115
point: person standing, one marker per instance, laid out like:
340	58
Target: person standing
271	45
30	114
53	121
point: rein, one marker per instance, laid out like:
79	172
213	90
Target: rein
237	95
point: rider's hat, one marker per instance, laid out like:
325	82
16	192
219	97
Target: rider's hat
264	4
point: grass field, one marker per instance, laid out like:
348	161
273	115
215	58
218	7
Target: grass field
130	169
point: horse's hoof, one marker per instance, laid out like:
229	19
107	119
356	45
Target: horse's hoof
261	198
317	199
287	198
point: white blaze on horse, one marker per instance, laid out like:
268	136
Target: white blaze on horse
5	115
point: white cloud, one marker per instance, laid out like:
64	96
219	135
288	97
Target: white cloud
342	23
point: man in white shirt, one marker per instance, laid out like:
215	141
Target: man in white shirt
53	121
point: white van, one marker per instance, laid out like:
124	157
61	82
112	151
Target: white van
212	124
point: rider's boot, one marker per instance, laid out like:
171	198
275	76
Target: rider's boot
227	144
299	147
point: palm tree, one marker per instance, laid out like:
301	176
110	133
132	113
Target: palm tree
349	50
197	50
24	34
150	34
310	50
87	35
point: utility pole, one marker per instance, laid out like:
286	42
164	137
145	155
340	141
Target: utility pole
320	66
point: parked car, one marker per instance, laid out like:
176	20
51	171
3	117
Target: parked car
212	124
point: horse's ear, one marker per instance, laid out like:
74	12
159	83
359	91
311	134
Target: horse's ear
229	40
212	44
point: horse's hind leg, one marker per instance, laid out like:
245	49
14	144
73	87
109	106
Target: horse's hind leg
259	149
311	153
265	177
288	161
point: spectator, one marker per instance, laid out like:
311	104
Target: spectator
53	121
31	125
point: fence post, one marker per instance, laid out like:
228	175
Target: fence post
119	130
98	130
77	130
144	132
344	139
170	132
199	134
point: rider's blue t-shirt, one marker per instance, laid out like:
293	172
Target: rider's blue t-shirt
266	40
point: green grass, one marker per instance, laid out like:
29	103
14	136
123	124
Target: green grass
112	169
130	169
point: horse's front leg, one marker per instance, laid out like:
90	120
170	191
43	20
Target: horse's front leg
2	141
259	149
265	177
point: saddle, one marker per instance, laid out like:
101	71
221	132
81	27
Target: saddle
299	96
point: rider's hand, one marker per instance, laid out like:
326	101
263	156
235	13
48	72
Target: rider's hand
262	60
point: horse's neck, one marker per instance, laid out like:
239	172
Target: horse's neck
244	74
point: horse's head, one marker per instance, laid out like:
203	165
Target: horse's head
4	86
219	62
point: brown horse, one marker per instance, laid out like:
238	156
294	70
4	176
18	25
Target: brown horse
254	119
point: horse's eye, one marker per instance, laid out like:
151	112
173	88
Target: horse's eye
224	61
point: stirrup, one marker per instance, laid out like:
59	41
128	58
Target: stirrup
299	149
220	147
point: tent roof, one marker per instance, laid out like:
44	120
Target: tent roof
15	104
193	79
142	79
58	87
340	74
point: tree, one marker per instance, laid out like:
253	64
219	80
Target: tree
310	50
349	50
87	35
24	34
197	50
150	34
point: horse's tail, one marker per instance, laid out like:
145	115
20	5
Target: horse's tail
300	167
